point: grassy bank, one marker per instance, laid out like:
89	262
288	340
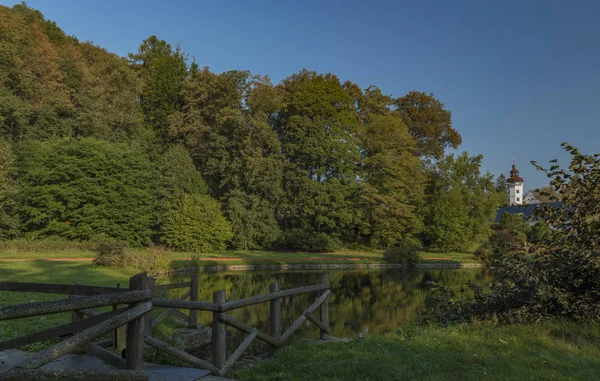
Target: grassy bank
35	250
549	351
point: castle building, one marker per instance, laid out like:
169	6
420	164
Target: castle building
515	187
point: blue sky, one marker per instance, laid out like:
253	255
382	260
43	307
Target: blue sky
520	77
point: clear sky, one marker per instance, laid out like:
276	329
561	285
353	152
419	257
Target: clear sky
520	77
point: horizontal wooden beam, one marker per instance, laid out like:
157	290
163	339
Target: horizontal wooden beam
53	288
235	323
15	311
84	337
234	304
238	352
181	315
185	304
16	374
181	355
90	312
106	356
60	330
295	325
172	286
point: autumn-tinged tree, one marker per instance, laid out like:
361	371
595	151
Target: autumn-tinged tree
429	123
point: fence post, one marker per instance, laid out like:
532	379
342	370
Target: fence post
325	309
219	332
76	315
119	342
193	322
137	328
275	315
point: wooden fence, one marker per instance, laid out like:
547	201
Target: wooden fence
133	308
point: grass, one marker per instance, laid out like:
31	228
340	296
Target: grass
50	272
548	351
23	251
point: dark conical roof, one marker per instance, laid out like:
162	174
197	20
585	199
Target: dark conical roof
514	175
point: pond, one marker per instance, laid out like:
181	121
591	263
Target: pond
362	302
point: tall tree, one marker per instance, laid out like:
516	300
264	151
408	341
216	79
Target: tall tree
224	124
393	181
429	122
8	221
317	127
163	71
460	203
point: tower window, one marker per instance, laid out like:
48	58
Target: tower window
518	199
517	191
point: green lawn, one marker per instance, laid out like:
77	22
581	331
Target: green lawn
549	351
255	257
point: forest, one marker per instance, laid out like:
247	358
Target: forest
153	148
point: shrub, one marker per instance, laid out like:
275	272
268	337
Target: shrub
77	189
484	252
110	253
405	253
298	239
561	278
196	224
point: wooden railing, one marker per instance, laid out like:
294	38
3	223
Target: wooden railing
219	308
81	332
133	307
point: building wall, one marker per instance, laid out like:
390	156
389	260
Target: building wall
515	193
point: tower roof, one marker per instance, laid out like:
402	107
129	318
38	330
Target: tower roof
514	175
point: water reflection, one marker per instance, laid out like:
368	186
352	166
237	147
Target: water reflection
363	302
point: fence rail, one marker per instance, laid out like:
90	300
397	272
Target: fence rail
132	307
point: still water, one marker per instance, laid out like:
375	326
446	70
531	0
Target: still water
362	302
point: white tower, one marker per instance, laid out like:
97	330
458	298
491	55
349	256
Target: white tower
515	187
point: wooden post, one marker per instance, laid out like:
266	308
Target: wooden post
119	341
136	329
275	313
325	309
219	332
193	321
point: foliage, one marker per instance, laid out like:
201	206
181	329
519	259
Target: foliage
297	239
560	278
429	122
460	203
8	189
110	253
196	224
77	189
316	125
539	234
546	194
405	253
163	71
393	182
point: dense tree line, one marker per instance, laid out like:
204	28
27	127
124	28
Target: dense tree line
154	148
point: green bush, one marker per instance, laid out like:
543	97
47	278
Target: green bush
405	253
298	239
484	252
77	189
110	253
196	224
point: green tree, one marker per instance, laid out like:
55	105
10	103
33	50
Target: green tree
163	71
317	126
224	124
393	181
77	189
460	203
8	221
196	225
